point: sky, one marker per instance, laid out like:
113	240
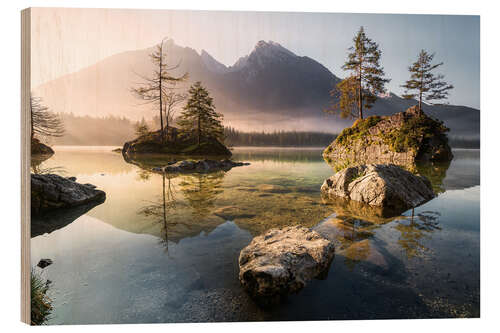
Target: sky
65	40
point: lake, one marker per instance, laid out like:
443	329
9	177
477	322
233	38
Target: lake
165	249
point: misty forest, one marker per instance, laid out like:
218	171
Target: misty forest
267	190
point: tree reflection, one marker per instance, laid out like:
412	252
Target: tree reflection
37	166
200	191
414	234
144	175
159	209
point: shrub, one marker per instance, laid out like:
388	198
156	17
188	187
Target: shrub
357	131
41	304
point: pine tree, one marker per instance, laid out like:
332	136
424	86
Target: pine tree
154	88
199	116
366	80
141	128
423	84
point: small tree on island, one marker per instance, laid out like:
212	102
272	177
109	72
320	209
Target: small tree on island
154	88
423	84
141	128
172	100
44	123
366	80
199	116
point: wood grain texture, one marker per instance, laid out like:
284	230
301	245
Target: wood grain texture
25	164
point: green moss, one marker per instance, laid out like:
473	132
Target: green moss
413	132
41	304
357	131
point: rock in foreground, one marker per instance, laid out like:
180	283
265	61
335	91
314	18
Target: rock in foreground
381	185
281	262
199	166
50	192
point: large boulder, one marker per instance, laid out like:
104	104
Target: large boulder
281	261
379	185
404	138
50	192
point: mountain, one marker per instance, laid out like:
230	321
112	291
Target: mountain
269	89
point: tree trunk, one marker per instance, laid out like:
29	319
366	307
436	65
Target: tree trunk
31	122
360	97
161	94
199	130
166	119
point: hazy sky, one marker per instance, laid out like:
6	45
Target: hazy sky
65	40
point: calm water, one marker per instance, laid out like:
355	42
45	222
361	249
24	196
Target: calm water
163	249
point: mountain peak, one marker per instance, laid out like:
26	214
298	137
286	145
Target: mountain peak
211	64
271	48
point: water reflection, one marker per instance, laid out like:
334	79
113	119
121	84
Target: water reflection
415	230
201	191
203	221
37	166
160	210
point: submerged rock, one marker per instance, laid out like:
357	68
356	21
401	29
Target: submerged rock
281	261
199	166
403	138
50	192
44	263
381	185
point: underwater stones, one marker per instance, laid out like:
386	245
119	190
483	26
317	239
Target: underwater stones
281	261
50	192
379	185
230	213
270	188
187	166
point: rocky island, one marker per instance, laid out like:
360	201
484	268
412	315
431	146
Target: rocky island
404	139
40	149
175	144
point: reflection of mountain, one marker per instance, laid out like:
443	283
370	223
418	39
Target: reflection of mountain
271	88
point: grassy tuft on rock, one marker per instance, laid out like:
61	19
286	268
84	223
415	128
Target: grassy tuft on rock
357	131
413	132
41	304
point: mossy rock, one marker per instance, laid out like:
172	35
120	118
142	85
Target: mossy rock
403	138
174	144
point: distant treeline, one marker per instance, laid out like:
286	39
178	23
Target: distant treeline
278	138
459	142
95	131
114	131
